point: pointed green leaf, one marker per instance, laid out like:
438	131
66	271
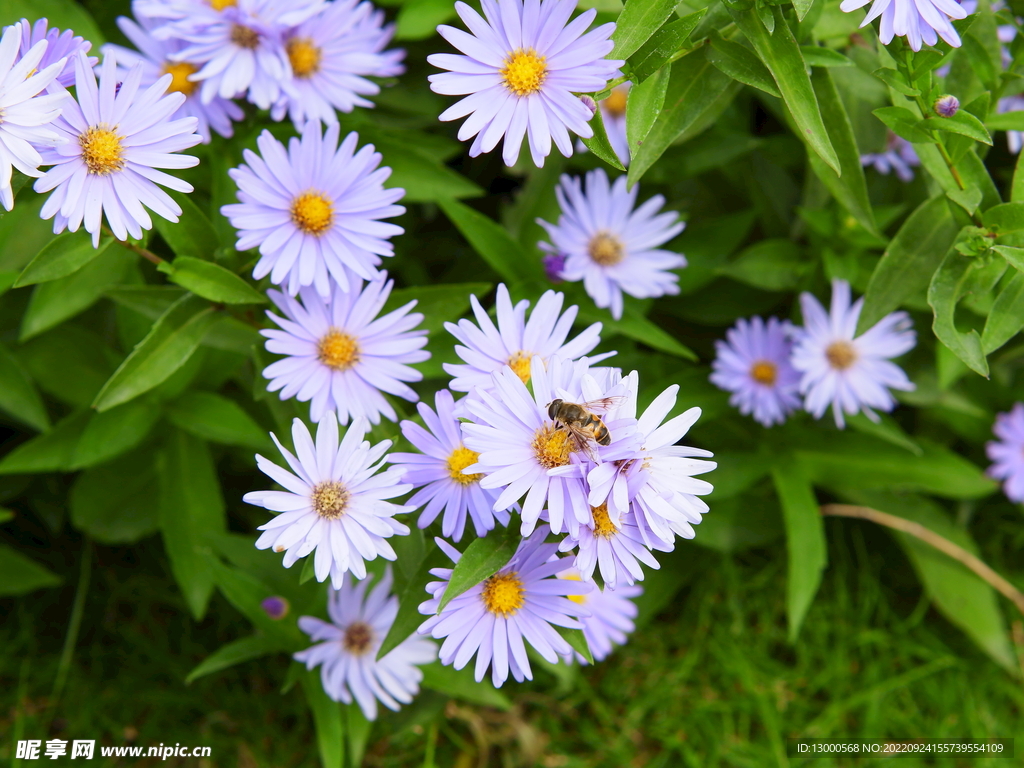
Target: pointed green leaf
1006	121
482	559
1013	255
807	553
817	56
907	266
50	356
643	105
779	51
969	199
948	285
740	63
1005	218
423	176
904	124
327	717
418	19
410	595
886	428
896	81
576	640
802	7
113	503
460	684
962	123
656	52
1007	316
493	242
638	21
115	431
64	255
168	346
235	652
439	304
148	300
633	325
599	143
773	264
217	418
18	395
211	281
20	575
51	451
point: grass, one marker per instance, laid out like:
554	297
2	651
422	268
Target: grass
708	680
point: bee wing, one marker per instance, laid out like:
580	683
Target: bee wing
582	441
604	403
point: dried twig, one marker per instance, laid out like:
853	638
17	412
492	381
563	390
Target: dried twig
940	543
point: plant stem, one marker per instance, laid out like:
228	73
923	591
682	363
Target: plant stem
940	543
74	625
146	254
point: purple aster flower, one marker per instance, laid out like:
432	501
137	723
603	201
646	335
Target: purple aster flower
920	21
24	114
525	452
155	57
899	156
239	46
343	357
523	67
849	373
611	616
615	544
1014	139
437	472
59	46
656	482
753	364
348	645
519	602
118	135
611	247
332	55
1008	452
515	341
314	210
332	502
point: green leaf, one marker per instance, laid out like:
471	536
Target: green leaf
695	87
246	593
18	395
483	558
439	304
577	640
64	255
211	281
741	64
168	346
357	733
1006	121
896	81
191	509
969	199
308	570
1014	256
817	56
962	123
802	7
20	575
7	278
774	264
327	717
493	242
235	652
886	428
986	70
113	503
850	187
460	684
655	53
643	105
907	266
807	553
422	175
1007	316
51	451
781	54
959	594
410	595
113	432
418	19
148	300
904	124
633	325
49	357
1008	217
217	418
599	143
64	14
193	234
948	286
638	21
57	300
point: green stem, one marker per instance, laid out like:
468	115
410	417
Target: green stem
74	625
146	254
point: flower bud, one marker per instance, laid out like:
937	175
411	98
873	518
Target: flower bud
590	103
276	607
554	263
947	105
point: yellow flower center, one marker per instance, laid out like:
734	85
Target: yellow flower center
606	249
102	150
520	364
578	599
220	5
841	355
552	446
503	594
338	350
304	56
764	372
524	72
180	72
329	499
603	525
615	104
244	37
461	458
312	213
358	638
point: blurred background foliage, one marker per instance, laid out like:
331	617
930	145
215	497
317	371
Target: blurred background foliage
126	554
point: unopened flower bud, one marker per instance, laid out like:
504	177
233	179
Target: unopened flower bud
590	103
554	263
276	607
947	105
